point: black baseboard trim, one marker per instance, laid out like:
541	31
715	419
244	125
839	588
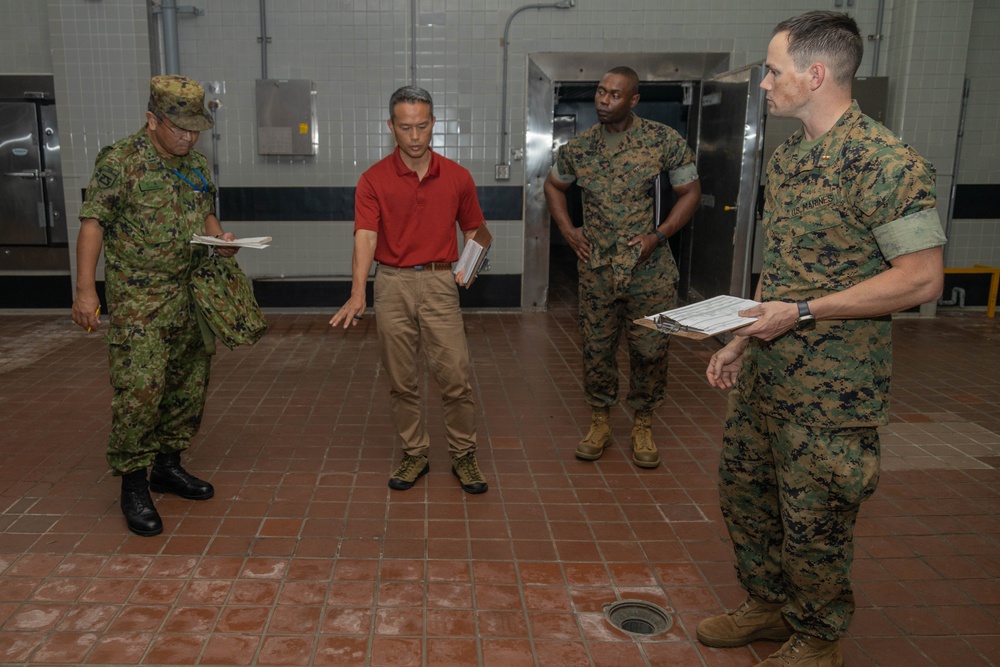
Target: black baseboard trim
28	291
977	201
496	291
336	204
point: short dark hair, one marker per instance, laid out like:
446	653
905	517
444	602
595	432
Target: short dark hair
629	74
830	37
410	95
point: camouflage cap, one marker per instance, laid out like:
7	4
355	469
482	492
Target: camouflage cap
181	100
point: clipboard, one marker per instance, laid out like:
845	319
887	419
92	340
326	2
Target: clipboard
703	319
473	258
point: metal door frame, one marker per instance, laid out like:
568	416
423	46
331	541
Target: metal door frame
750	173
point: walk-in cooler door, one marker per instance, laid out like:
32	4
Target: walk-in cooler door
22	202
730	142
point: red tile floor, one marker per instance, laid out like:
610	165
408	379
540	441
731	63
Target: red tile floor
305	557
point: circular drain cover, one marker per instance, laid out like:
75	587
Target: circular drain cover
638	617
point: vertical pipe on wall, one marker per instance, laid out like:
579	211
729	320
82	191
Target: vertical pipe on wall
263	39
955	164
213	108
413	42
155	39
168	18
503	166
877	37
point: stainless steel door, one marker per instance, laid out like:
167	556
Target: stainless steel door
22	202
729	159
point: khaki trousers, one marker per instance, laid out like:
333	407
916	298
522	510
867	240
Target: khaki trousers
418	310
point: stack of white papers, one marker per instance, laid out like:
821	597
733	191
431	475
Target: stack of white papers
248	242
473	255
705	318
469	260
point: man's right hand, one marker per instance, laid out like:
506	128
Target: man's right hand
578	242
350	313
86	311
725	364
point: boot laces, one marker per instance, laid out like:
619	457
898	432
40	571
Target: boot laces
643	438
594	435
468	470
406	466
789	653
743	608
137	497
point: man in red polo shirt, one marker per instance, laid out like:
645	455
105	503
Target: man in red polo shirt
405	209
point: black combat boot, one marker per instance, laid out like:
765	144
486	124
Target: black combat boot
168	476
140	514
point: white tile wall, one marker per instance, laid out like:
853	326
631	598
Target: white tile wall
24	48
978	241
358	52
926	71
101	66
980	154
974	242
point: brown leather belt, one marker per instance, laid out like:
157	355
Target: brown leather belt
431	266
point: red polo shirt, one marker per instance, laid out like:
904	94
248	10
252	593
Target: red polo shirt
415	219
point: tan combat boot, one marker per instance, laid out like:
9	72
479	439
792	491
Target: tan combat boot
644	452
806	651
754	619
597	438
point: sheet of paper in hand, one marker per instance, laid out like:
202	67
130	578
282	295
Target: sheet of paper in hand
703	319
248	242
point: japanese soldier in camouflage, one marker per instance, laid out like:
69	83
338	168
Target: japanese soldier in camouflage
149	193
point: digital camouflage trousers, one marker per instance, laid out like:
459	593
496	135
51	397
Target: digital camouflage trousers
790	495
609	302
159	377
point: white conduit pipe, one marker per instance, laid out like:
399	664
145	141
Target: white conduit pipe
562	4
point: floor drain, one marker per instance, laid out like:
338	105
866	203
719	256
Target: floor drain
638	617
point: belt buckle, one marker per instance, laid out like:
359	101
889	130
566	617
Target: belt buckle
418	267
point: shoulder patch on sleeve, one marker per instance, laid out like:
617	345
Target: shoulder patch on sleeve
106	176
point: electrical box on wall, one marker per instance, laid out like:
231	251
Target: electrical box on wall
286	117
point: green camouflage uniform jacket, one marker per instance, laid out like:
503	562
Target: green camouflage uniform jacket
149	213
835	214
617	186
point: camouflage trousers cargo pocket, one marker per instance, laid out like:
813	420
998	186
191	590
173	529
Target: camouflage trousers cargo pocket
226	303
160	377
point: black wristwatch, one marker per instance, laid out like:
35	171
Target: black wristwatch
660	237
806	318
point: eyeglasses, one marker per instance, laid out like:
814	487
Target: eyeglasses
174	130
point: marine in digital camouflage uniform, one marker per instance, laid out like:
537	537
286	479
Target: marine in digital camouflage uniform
626	268
851	235
149	194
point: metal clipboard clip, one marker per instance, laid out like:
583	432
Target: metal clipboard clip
667	325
